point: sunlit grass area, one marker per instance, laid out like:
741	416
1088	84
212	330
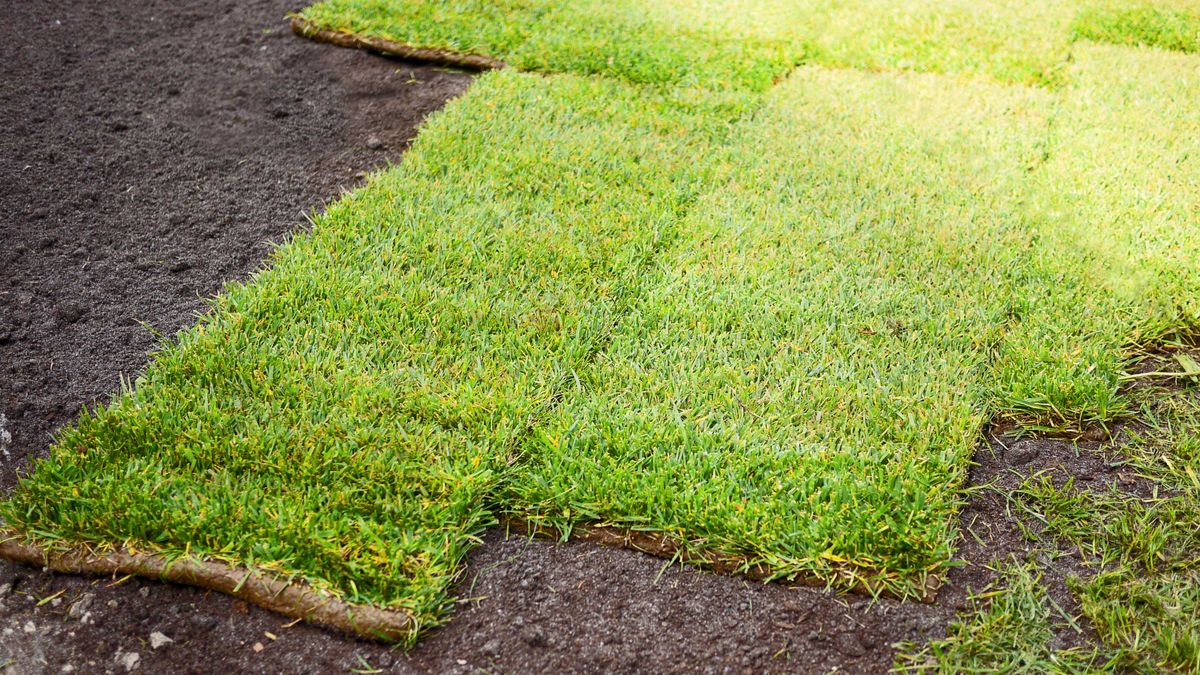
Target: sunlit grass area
1170	24
751	275
804	381
727	43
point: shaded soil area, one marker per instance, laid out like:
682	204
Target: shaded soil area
151	151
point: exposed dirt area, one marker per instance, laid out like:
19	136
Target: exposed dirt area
149	152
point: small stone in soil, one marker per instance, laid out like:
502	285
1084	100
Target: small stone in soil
80	607
849	645
374	143
158	639
491	648
204	621
129	660
258	647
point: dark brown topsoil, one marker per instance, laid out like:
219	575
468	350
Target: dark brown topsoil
149	151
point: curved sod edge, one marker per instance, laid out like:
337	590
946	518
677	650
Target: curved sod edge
662	546
294	599
305	28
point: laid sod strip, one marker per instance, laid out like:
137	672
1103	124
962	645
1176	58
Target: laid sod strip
635	41
294	599
343	418
724	43
1169	24
1026	43
803	384
830	330
1116	204
307	29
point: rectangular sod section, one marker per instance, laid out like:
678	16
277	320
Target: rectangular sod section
805	381
1116	203
1169	24
894	260
726	43
344	416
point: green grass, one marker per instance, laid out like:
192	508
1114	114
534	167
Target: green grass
1009	628
1145	597
803	359
1170	24
677	284
753	43
726	43
1141	590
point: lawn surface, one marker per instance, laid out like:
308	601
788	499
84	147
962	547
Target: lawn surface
752	275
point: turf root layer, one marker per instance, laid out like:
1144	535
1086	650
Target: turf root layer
290	598
662	546
305	28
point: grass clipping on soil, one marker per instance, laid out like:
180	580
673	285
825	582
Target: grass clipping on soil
656	293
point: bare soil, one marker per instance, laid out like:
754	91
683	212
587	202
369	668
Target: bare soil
152	150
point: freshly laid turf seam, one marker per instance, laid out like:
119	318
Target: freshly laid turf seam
294	599
305	28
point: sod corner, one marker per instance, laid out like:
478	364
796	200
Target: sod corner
294	599
312	31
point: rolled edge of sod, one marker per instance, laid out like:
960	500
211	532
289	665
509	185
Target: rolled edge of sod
853	580
294	599
307	29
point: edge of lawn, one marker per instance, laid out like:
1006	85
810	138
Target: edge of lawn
288	596
839	576
311	30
